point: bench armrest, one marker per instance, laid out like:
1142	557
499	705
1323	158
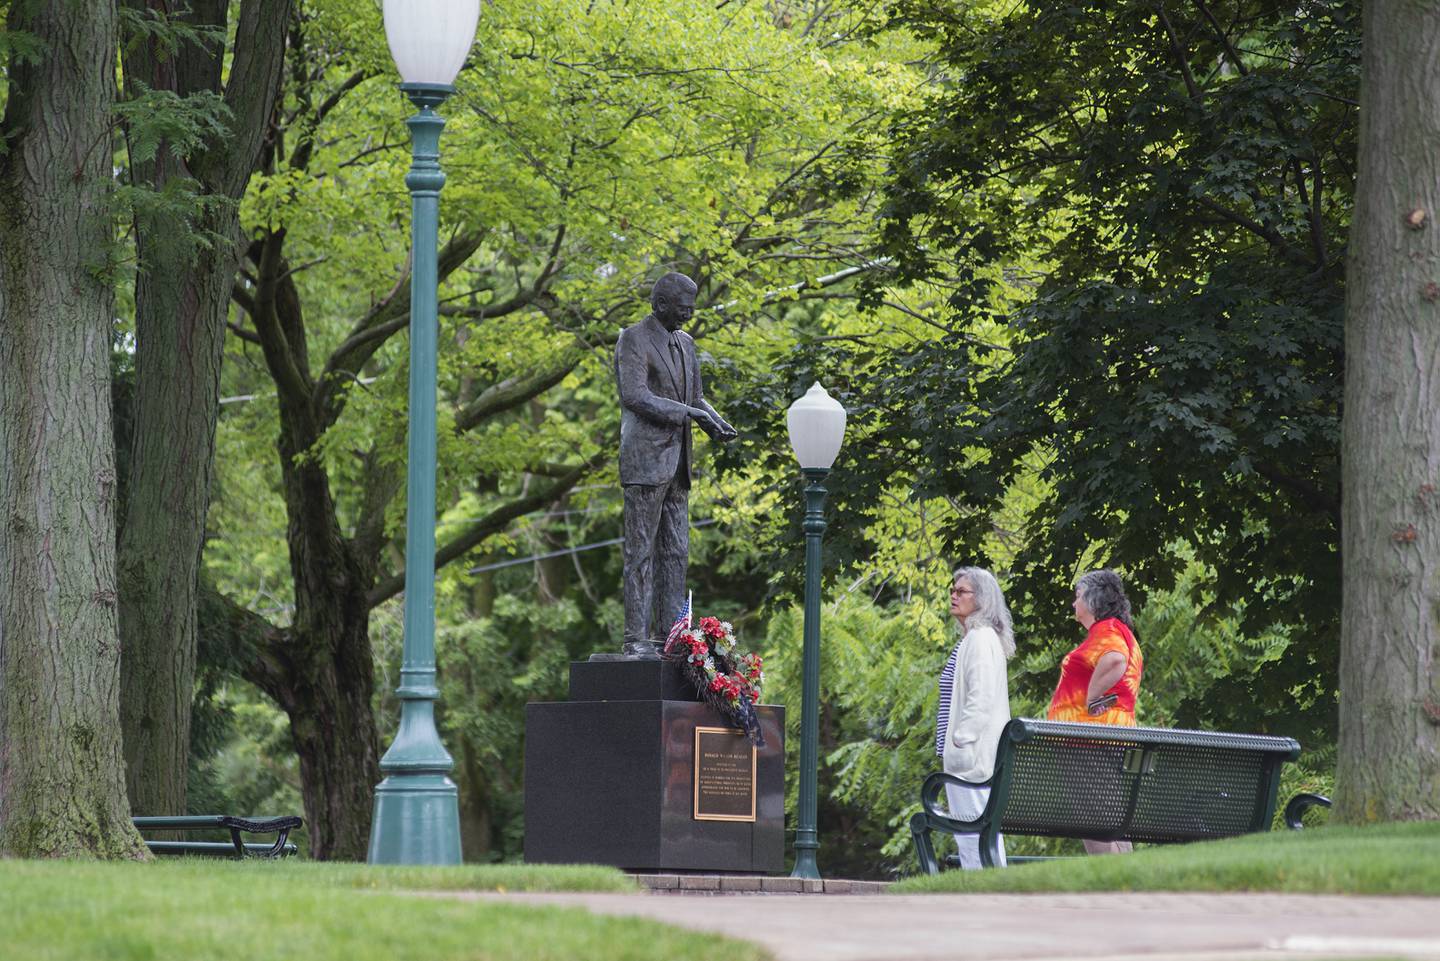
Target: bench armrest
930	794
1295	809
921	824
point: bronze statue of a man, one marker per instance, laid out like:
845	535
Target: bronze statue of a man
660	394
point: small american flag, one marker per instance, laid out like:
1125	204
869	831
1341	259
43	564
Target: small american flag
682	623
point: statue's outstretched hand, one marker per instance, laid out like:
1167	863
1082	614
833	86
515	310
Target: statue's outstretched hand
713	426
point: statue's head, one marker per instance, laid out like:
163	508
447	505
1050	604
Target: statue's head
672	300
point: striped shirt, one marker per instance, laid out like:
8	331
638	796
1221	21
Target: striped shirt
942	710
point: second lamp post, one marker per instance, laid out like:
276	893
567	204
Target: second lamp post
817	428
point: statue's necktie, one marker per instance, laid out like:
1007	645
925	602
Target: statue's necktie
677	357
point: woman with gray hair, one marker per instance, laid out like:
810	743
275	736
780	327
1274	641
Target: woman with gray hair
1100	679
974	702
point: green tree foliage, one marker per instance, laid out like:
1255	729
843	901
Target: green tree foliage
1140	214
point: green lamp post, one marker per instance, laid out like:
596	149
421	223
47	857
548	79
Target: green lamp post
417	811
817	428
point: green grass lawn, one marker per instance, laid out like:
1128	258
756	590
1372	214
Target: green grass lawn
1381	859
218	910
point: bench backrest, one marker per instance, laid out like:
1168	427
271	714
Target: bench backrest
1104	782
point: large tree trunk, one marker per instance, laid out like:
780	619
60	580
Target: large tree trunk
62	786
1389	757
182	296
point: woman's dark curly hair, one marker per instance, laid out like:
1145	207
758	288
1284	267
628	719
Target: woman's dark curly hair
1104	594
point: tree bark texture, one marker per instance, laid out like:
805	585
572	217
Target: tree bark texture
1389	751
62	781
182	297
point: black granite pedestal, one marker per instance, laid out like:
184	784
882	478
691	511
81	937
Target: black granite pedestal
610	777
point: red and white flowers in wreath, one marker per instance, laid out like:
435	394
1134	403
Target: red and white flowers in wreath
728	680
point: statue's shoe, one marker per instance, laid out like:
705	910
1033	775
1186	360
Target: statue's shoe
645	650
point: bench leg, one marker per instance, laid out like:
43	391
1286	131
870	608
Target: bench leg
990	845
277	850
924	849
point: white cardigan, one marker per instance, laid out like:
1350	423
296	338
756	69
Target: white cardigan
979	706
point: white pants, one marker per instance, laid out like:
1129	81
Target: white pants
966	804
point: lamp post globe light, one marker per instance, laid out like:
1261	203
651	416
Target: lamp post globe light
817	428
417	813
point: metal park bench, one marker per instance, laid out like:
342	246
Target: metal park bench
236	847
1108	783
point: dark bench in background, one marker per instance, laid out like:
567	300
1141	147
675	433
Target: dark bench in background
236	847
1107	783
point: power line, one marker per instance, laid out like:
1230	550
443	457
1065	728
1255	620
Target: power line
563	552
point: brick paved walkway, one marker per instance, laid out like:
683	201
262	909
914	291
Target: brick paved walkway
1039	927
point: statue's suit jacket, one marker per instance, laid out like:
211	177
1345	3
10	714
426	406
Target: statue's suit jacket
654	392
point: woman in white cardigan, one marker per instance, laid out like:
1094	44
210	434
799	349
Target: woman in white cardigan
974	698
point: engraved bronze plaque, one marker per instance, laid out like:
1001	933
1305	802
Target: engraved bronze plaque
724	775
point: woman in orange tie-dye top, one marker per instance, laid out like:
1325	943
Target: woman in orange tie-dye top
1100	679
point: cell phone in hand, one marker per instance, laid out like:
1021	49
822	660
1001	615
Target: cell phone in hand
1102	703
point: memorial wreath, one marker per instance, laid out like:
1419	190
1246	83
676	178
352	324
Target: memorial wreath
727	679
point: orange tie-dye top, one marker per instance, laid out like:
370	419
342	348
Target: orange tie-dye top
1069	702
